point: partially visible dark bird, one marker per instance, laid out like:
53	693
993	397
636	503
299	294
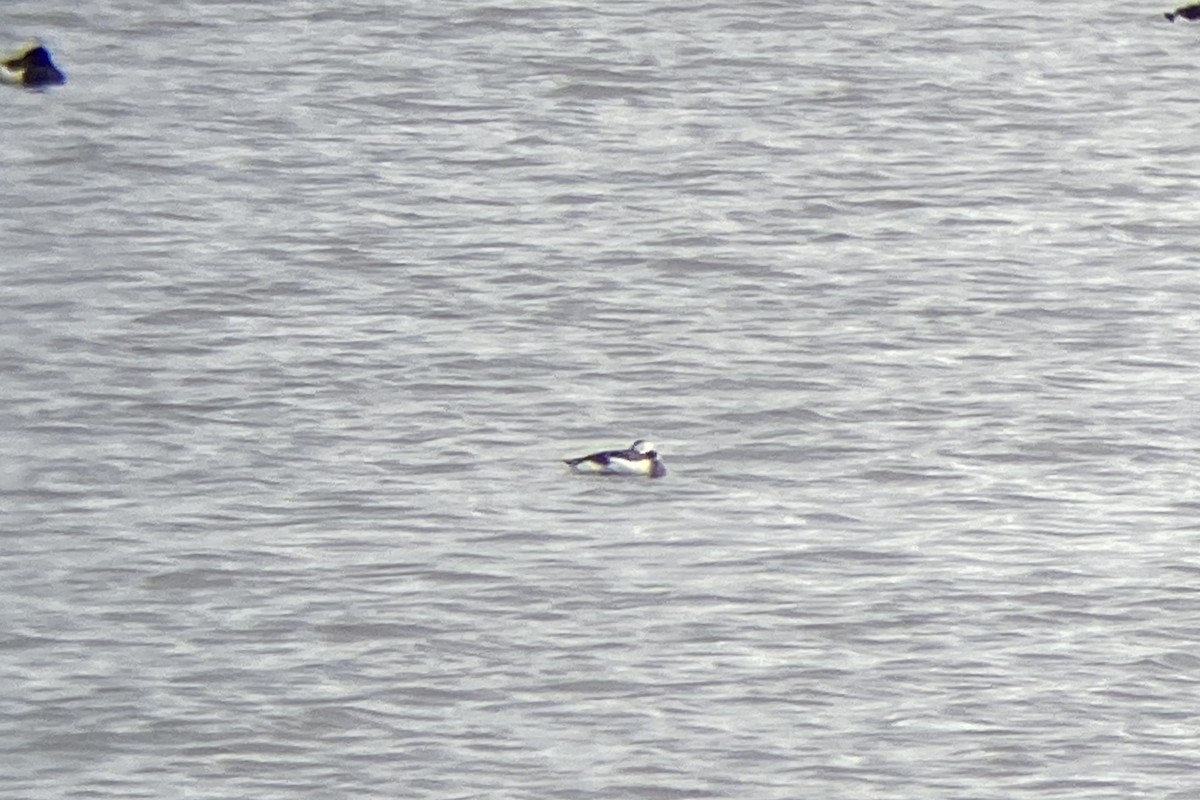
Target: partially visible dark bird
33	68
1187	12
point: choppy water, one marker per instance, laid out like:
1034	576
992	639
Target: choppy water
302	303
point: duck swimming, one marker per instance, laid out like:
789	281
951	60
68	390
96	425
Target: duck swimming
640	458
1187	12
33	68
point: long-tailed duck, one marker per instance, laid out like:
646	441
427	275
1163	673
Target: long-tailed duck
639	459
32	68
1187	12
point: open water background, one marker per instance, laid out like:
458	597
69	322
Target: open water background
301	302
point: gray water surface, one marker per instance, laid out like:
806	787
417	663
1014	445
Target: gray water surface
302	304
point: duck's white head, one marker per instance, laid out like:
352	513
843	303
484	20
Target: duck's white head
641	447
